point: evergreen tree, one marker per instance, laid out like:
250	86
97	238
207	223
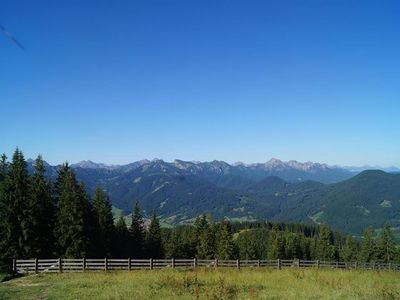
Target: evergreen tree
14	209
104	222
206	245
4	210
41	213
224	245
325	248
71	228
276	248
247	245
153	238
173	246
349	251
368	246
386	245
121	241
3	167
137	233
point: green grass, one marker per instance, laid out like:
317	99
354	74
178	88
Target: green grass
207	284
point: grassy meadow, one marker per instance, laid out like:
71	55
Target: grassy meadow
207	284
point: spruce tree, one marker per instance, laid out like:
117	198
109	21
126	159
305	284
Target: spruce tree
153	238
206	245
368	246
325	248
41	213
247	245
137	233
71	229
4	211
386	245
224	245
121	240
14	210
104	222
276	247
349	251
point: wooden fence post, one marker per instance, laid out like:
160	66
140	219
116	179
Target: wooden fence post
317	263
258	263
390	266
14	265
337	265
84	264
238	263
195	262
216	263
129	264
173	263
36	265
279	264
105	264
60	265
151	264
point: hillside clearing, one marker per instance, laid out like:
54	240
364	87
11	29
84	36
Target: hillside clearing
207	284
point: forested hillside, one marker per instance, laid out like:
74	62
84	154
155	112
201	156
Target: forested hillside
278	191
44	219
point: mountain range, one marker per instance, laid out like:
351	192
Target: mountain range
276	190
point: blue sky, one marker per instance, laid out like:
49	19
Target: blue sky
118	81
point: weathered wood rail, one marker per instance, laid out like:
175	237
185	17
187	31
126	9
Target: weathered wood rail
25	266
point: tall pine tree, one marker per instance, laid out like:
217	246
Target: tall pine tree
121	240
15	209
41	213
325	248
368	246
349	251
104	222
153	238
276	247
206	245
386	245
71	224
224	245
137	233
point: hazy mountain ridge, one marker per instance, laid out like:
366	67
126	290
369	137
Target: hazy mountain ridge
276	190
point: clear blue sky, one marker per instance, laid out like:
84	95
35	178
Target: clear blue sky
118	81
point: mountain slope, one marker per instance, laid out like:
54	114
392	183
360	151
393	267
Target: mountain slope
181	190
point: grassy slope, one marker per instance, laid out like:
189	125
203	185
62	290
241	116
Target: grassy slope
207	284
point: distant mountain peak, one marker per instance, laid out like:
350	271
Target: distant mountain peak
88	164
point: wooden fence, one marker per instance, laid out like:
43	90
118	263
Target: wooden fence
107	264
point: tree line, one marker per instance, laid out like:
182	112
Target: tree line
43	219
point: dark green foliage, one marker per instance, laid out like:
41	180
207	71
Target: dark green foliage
349	251
137	234
121	239
325	250
70	231
276	244
225	249
4	259
386	248
154	248
15	209
368	246
41	213
104	223
206	244
247	244
29	209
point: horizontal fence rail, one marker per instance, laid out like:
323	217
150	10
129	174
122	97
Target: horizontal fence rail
26	266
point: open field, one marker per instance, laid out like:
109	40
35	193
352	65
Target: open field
207	284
